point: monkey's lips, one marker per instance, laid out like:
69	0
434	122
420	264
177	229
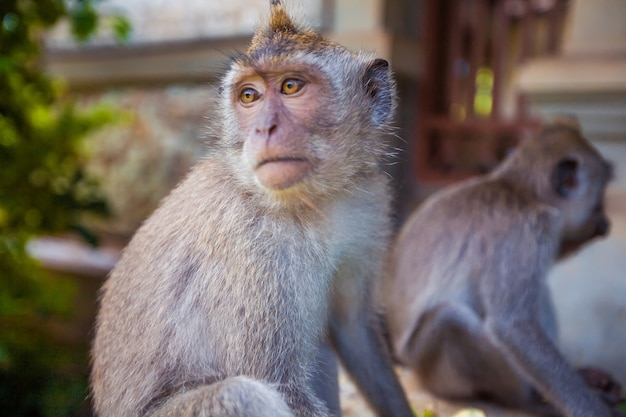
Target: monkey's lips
282	173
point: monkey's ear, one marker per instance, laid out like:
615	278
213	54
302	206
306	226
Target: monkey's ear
379	88
565	177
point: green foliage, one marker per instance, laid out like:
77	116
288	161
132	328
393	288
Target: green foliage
43	190
85	20
121	29
429	413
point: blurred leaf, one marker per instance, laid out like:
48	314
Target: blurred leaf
429	413
84	21
469	412
10	22
6	64
122	29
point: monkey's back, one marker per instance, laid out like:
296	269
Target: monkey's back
434	258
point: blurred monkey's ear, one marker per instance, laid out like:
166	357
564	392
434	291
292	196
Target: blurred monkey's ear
565	177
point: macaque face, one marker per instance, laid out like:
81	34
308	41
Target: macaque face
277	109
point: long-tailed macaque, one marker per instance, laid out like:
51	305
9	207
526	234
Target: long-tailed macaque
467	302
221	301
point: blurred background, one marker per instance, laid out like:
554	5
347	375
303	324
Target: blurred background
103	107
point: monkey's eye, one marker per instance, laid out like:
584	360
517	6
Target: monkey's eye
291	86
249	95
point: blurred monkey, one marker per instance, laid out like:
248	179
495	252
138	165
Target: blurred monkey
467	303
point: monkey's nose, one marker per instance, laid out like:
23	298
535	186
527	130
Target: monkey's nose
268	128
266	123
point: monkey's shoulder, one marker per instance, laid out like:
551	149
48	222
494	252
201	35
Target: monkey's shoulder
487	197
200	208
484	207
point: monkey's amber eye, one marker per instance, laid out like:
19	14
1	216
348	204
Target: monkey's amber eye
249	95
291	86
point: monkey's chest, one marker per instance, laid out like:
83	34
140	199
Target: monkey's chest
269	319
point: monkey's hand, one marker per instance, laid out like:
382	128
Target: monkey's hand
609	389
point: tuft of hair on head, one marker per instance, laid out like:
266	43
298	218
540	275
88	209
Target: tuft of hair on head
280	21
282	35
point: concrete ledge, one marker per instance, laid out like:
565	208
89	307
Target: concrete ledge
573	75
590	87
73	257
168	62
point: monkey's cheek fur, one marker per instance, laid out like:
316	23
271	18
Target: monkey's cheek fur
282	173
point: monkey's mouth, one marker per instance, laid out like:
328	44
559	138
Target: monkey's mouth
282	173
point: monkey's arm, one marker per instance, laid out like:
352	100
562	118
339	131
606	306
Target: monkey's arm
513	319
356	335
551	375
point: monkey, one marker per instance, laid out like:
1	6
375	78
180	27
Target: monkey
466	299
233	298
